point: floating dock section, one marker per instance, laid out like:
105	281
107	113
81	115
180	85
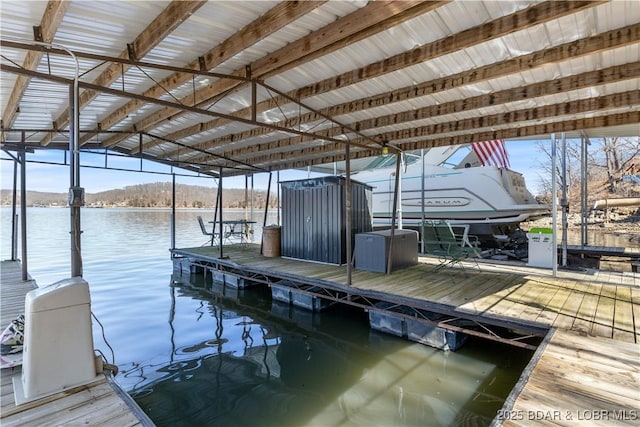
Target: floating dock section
586	371
392	320
303	298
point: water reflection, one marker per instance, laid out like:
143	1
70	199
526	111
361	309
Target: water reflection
266	363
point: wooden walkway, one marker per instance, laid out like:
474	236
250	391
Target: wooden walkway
577	380
99	403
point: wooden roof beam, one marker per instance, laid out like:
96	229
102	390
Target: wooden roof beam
161	102
168	20
51	19
275	19
566	84
502	120
520	20
609	40
360	24
288	162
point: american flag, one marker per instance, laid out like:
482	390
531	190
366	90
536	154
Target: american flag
492	153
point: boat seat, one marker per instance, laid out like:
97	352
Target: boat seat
440	241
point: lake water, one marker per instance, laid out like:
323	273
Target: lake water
191	356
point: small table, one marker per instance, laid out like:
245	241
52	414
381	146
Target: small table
237	229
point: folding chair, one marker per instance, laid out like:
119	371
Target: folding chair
441	241
211	234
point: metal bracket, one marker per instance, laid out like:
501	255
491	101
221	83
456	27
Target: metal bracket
37	33
131	51
76	196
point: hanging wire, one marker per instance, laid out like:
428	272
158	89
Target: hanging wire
113	356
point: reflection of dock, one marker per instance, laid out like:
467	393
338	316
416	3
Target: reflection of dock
594	315
100	402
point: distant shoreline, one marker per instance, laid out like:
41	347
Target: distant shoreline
255	208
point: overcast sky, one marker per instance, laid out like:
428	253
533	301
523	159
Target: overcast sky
523	156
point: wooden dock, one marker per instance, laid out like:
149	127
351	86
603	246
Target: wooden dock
598	303
586	371
619	254
99	403
577	380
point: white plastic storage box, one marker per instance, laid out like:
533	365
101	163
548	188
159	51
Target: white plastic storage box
541	250
58	349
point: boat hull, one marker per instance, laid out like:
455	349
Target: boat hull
473	195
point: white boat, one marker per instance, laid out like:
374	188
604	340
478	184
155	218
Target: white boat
456	187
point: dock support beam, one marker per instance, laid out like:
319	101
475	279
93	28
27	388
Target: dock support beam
23	210
394	211
14	203
266	211
584	190
554	204
221	229
76	193
348	209
173	211
564	201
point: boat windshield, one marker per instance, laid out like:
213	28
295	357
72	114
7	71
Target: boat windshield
451	157
388	160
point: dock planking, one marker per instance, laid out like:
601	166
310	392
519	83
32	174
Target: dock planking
588	365
577	380
97	403
586	302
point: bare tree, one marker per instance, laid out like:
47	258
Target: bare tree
608	160
614	156
573	166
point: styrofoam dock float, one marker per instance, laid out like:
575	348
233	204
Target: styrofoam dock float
414	330
298	298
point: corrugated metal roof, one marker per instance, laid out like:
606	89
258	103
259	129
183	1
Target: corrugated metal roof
368	66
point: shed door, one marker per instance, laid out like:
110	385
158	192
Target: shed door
308	218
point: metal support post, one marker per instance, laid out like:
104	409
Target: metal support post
422	202
14	215
173	211
554	205
347	205
23	212
266	211
76	193
221	229
584	191
393	213
565	201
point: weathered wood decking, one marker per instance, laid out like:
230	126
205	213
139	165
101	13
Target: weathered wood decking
586	372
99	403
577	380
599	303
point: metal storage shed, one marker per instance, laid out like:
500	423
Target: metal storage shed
314	225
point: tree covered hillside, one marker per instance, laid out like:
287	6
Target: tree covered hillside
155	195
